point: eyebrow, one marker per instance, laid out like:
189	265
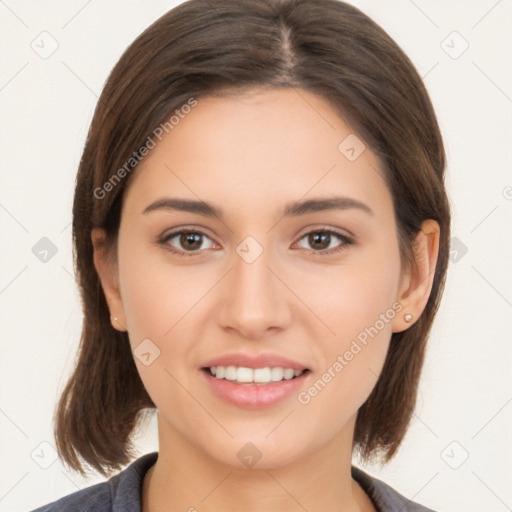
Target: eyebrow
294	209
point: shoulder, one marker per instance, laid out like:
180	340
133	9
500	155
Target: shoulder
96	497
121	492
385	498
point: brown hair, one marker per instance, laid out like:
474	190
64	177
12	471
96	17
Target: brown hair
201	48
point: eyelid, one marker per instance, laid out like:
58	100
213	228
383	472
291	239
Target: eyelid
345	233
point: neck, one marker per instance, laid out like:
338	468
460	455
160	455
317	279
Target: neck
186	479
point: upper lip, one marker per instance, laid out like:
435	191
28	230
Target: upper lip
254	361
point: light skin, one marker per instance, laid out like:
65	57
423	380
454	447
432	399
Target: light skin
250	156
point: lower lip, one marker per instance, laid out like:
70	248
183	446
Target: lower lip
254	396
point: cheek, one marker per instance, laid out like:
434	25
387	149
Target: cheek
355	296
156	294
351	367
161	304
359	309
154	308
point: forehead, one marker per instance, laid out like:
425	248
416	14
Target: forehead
258	149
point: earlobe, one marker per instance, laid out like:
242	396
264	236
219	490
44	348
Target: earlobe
416	286
107	273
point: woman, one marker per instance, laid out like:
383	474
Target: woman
261	237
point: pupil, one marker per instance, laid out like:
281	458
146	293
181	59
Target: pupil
313	238
190	237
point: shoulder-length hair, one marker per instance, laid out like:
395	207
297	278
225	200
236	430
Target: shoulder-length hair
201	48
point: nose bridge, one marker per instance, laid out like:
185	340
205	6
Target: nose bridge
254	301
252	278
251	267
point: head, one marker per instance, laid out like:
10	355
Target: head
251	120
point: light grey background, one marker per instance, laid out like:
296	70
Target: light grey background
46	104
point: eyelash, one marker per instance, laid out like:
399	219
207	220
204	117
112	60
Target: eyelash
342	247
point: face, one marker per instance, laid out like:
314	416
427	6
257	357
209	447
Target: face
261	283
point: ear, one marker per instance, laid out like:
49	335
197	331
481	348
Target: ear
416	283
106	267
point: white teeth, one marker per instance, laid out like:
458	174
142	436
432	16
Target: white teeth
230	373
288	373
262	375
277	374
244	374
265	375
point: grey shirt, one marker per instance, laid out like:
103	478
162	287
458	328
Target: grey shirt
122	493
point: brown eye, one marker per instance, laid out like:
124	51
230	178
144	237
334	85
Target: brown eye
190	241
321	241
187	241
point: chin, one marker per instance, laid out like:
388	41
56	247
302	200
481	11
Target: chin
257	452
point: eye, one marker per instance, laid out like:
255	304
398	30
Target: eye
321	239
189	242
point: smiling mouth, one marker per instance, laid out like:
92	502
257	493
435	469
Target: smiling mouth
254	376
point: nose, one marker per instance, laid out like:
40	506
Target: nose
255	298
